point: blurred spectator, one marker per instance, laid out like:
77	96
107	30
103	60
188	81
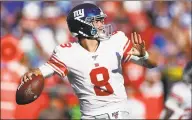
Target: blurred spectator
63	104
119	21
11	71
9	14
138	108
149	93
4	25
27	27
9	83
55	109
32	110
65	6
162	19
178	105
10	51
54	28
152	91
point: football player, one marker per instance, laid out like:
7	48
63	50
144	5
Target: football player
178	104
93	63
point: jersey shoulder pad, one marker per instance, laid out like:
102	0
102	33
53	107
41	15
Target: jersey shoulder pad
119	38
58	62
65	47
118	34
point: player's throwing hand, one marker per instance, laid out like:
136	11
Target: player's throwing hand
138	48
28	76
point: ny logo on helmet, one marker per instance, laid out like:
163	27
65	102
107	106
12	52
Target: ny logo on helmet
78	13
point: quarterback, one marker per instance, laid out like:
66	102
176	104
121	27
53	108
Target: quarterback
93	64
178	105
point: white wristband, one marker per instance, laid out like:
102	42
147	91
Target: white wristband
136	58
146	56
46	70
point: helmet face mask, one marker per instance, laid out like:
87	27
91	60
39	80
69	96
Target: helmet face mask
80	22
105	33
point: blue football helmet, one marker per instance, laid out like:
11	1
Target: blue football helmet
187	73
80	20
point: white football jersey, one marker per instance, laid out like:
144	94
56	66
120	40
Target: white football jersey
179	101
96	77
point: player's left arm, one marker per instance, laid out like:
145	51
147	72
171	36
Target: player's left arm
138	53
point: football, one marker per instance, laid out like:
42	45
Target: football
29	91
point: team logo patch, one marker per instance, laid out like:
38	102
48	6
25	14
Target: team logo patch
94	57
96	64
79	14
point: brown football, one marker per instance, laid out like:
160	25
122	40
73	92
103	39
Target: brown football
29	91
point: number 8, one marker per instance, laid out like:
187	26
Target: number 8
104	82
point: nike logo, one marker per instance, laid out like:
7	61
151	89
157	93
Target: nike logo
94	57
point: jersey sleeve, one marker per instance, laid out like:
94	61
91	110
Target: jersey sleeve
126	48
55	63
124	44
46	70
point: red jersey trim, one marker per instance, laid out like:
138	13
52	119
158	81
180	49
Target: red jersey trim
61	63
127	58
56	69
114	32
126	49
58	66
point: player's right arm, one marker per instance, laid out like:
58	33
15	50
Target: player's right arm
53	65
28	75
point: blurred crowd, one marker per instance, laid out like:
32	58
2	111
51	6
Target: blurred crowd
31	30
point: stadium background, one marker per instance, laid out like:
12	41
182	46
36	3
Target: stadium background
31	30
